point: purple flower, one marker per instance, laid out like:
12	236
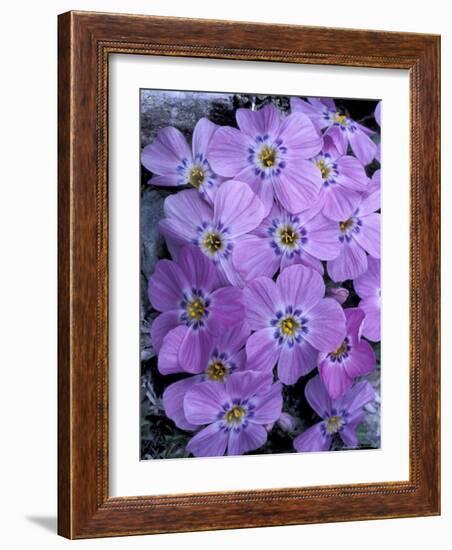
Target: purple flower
339	294
173	163
338	126
367	286
353	357
377	113
234	413
271	154
226	355
213	229
293	322
358	234
375	182
188	293
339	416
286	422
285	239
344	180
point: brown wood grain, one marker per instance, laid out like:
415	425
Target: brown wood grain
85	42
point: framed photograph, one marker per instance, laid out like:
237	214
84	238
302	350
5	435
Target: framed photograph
248	275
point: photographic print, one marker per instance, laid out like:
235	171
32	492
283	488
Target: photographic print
260	274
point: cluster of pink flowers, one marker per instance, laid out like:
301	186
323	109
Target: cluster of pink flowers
268	211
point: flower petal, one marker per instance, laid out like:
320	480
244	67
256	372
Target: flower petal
354	317
286	422
327	101
161	325
262	350
326	325
202	136
371	203
176	235
168	180
168	358
339	294
304	259
237	208
369	234
329	146
246	384
351	262
368	284
268	405
322	241
340	202
312	440
166	285
239	360
263	188
363	147
348	432
351	173
371	327
318	397
313	108
228	274
298	185
194	350
334	377
173	401
253	257
377	113
262	300
265	120
227	309
189	209
296	362
361	361
339	139
300	136
210	441
301	287
228	151
200	272
365	129
166	152
357	397
245	439
205	402
233	339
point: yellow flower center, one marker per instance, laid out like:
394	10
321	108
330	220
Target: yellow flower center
267	157
289	326
334	424
217	371
288	235
235	415
196	309
196	177
325	170
340	350
212	242
339	118
347	224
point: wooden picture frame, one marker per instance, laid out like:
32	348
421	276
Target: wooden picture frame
86	40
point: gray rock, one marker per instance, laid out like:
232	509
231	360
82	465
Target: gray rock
160	108
369	432
152	248
147	350
152	244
